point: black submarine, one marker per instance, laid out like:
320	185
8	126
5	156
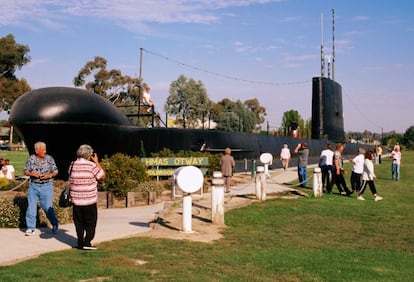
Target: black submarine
65	118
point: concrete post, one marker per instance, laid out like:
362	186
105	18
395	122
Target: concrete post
260	183
317	182
187	206
253	169
217	198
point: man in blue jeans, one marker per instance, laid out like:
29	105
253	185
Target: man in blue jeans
41	168
303	155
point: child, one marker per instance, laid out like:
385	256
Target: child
368	177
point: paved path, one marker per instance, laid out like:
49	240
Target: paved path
112	224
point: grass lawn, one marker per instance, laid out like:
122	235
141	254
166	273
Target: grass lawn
17	159
333	238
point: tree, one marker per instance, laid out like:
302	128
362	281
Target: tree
110	84
13	57
408	139
289	117
259	111
188	101
234	116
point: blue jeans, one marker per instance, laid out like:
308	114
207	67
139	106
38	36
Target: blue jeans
395	168
303	178
44	193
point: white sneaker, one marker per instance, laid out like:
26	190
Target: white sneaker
377	198
360	198
29	232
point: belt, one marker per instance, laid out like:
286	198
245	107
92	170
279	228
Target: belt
39	181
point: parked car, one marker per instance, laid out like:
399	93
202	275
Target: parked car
4	146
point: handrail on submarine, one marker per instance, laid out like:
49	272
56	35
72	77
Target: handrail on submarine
149	112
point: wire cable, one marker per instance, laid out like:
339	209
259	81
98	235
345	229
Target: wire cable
224	75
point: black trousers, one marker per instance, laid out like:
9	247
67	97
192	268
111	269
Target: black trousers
340	183
371	185
85	219
327	171
356	181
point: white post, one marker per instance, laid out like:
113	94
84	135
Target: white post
189	179
217	198
266	170
187	206
260	183
317	182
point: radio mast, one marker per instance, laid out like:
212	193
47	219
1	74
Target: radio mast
333	44
322	55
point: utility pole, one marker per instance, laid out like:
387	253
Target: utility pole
140	84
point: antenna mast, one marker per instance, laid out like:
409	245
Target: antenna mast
322	55
333	44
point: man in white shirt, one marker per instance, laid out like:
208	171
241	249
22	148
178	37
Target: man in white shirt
326	165
357	170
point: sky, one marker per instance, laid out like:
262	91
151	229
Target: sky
239	49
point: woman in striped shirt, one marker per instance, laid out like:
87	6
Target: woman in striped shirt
85	173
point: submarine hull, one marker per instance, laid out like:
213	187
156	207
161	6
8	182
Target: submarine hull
65	118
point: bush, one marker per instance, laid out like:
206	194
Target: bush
123	174
13	206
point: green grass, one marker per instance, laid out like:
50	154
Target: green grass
17	159
333	238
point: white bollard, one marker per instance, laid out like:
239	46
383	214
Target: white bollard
217	198
187	214
266	159
260	183
189	179
317	182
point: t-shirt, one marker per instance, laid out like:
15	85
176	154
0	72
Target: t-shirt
358	164
327	157
338	157
303	157
396	157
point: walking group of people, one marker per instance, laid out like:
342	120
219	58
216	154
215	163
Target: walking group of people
333	172
362	174
84	174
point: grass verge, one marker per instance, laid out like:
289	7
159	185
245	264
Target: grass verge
333	238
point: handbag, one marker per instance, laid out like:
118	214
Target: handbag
65	200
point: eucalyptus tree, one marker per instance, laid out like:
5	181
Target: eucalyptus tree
259	111
289	117
234	116
111	84
188	102
13	56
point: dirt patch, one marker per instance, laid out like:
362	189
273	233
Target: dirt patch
169	224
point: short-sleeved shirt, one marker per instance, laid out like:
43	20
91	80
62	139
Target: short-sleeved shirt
46	165
303	157
358	164
338	156
327	157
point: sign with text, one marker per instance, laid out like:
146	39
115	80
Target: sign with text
195	161
167	166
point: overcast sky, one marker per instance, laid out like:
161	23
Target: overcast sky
239	49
